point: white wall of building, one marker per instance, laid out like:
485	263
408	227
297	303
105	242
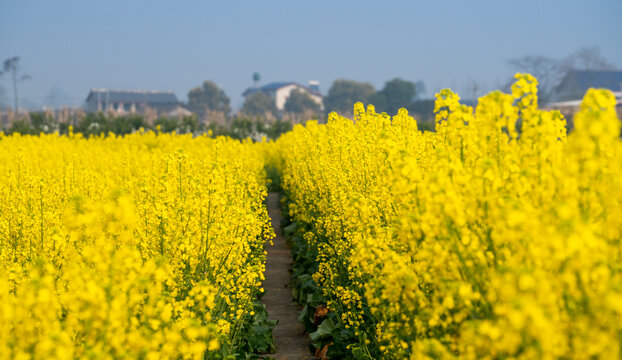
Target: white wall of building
318	99
283	93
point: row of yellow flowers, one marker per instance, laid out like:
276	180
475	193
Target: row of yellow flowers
497	236
147	246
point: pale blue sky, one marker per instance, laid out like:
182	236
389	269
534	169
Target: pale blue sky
76	45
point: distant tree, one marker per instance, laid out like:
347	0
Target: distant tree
11	65
397	93
587	58
211	96
259	104
21	126
166	124
380	101
92	123
550	72
243	127
122	125
189	124
420	89
256	78
423	110
278	128
215	129
42	122
343	94
300	101
99	123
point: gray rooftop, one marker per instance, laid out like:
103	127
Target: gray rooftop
606	79
133	96
273	86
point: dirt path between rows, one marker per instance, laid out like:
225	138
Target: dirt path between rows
291	341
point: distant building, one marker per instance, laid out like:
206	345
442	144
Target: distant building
568	95
134	101
571	106
576	82
279	91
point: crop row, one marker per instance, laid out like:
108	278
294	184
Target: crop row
147	246
497	236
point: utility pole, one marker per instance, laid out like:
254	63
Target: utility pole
14	76
473	88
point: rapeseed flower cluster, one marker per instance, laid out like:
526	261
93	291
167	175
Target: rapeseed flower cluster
497	236
148	246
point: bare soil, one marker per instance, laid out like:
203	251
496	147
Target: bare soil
291	340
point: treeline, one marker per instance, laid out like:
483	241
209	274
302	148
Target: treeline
99	123
257	118
396	93
342	95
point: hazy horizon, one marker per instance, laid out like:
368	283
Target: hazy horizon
153	45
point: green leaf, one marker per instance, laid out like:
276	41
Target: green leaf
324	330
359	354
303	314
290	229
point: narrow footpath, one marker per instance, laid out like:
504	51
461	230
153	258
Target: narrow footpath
291	341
